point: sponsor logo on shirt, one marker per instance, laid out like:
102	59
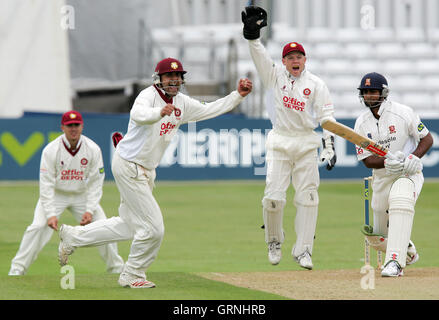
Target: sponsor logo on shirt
72	174
293	103
385	141
420	127
166	128
101	170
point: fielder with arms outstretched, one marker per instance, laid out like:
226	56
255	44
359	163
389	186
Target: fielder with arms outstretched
302	102
157	113
397	182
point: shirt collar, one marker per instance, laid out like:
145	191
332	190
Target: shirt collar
67	143
383	106
163	95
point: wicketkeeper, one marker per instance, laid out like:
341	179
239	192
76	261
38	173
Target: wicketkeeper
397	183
302	102
71	177
156	115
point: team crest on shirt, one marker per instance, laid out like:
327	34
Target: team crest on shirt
306	92
177	113
84	161
392	129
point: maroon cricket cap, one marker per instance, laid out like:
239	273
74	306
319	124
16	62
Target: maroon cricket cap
169	65
71	117
292	46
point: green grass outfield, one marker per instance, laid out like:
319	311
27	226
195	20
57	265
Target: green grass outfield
209	227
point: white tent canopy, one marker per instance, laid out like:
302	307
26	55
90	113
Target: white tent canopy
34	59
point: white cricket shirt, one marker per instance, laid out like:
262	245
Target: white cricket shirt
78	172
149	134
398	129
301	104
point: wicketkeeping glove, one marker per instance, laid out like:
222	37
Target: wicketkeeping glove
328	152
254	18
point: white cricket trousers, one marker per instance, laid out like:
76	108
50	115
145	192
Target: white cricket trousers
139	220
292	159
38	234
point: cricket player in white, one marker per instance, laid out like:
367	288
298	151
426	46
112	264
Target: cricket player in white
156	115
397	182
302	102
71	177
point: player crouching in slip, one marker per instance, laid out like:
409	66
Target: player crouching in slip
71	177
137	155
397	182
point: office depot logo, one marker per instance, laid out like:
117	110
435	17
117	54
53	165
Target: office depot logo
72	175
293	103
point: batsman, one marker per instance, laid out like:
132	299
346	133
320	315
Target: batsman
302	102
397	180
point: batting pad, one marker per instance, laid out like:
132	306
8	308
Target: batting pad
401	213
273	213
305	227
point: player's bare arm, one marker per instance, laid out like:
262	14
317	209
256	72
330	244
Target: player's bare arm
245	86
374	162
423	146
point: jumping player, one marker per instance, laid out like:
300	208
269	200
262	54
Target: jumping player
302	102
397	183
71	177
157	113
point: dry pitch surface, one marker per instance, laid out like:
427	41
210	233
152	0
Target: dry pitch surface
417	283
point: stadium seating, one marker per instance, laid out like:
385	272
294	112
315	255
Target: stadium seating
407	57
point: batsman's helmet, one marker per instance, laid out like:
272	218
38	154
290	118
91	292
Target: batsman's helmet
374	81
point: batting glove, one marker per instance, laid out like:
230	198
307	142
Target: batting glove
395	165
254	19
412	165
328	152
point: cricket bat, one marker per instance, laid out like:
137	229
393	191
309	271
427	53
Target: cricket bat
357	139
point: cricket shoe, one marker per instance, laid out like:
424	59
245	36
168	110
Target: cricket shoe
274	252
15	272
392	269
304	260
64	248
412	254
126	280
